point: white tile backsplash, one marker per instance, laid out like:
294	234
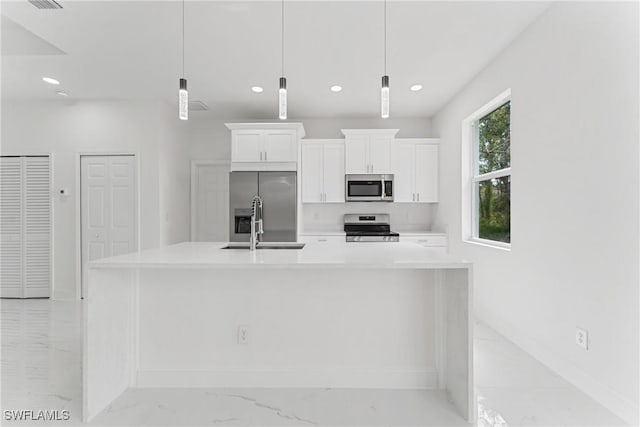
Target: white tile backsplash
404	216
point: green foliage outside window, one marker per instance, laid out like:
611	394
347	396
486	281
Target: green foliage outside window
494	195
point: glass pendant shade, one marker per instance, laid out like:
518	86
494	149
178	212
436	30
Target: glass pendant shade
183	99
282	99
384	98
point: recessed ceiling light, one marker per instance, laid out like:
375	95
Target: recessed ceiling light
416	88
336	88
256	89
51	81
62	93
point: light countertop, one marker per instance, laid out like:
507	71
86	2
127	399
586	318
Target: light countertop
399	255
402	233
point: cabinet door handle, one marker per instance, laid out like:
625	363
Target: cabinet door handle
418	196
413	197
265	155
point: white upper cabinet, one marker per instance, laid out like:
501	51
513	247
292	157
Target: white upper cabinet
323	171
280	146
357	154
402	158
333	172
246	146
415	167
368	150
265	146
426	173
380	153
312	171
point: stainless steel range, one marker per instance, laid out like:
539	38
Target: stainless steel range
369	228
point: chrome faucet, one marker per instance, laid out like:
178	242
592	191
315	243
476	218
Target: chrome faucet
256	222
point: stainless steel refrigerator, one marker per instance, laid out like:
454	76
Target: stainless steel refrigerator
279	205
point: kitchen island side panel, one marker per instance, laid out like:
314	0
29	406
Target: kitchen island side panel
312	328
370	315
109	337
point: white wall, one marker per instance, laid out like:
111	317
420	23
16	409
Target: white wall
174	178
574	259
65	129
211	140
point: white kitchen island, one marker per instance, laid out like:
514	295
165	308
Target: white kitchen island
334	314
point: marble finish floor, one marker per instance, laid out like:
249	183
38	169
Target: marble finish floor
41	369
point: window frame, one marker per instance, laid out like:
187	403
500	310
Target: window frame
471	176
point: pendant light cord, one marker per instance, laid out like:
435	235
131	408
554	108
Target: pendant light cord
183	38
385	37
282	33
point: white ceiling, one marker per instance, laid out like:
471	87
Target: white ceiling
132	50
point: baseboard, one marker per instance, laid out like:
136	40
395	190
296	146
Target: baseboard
326	378
598	391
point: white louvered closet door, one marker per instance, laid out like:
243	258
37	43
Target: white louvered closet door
25	227
37	224
11	227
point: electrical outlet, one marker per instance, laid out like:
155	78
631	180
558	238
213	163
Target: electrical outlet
582	338
243	334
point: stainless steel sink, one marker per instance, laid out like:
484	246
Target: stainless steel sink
265	245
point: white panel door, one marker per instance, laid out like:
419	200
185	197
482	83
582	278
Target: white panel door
37	227
210	202
312	170
246	146
379	154
122	218
108	207
426	176
280	146
333	172
403	166
11	227
357	154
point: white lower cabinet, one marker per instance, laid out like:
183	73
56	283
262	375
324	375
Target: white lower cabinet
323	171
323	238
432	240
415	167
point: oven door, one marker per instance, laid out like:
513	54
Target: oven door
369	188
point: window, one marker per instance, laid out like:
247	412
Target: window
489	181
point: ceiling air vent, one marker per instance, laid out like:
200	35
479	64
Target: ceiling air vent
45	4
197	106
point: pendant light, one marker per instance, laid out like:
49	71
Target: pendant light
282	93
183	94
384	91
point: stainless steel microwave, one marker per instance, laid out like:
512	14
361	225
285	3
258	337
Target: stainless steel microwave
369	188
